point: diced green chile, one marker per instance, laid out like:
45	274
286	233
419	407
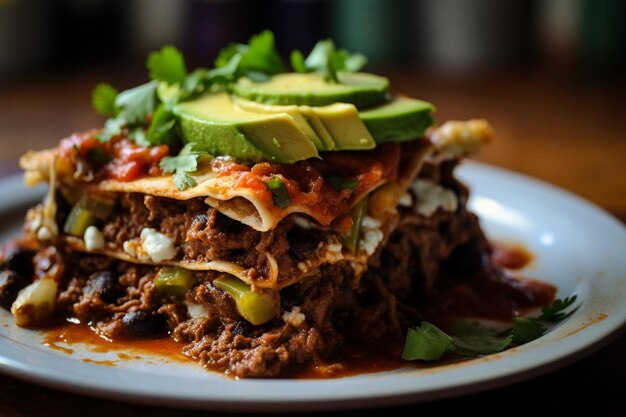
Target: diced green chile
171	280
78	221
255	307
351	241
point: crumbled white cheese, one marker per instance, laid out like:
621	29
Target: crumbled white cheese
130	247
454	139
294	317
196	311
301	222
158	246
333	252
44	234
134	248
431	196
406	200
370	223
371	235
94	239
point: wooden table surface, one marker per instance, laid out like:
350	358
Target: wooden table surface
561	128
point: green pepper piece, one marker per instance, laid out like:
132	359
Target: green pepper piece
171	280
78	221
351	241
101	207
255	307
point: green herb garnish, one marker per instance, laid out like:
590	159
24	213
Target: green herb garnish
340	183
471	338
167	65
326	59
259	58
181	165
103	99
426	343
279	191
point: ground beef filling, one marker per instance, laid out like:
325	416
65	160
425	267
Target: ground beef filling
431	268
424	262
201	233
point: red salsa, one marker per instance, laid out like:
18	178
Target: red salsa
118	158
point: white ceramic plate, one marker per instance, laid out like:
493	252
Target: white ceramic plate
578	247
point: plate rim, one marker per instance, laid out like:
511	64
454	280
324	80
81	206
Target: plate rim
612	329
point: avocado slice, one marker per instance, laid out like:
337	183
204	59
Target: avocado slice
399	120
358	88
316	123
334	127
347	130
219	127
291	110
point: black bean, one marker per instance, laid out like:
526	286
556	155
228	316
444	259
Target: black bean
102	284
10	284
19	260
143	323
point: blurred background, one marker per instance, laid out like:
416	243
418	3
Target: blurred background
550	75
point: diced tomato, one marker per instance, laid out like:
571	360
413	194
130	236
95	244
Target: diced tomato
120	158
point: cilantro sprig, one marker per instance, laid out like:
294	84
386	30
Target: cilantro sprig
471	338
326	59
182	165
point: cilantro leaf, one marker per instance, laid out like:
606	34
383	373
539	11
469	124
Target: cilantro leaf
103	99
161	128
279	191
112	127
297	61
340	183
138	135
328	60
425	342
527	329
184	181
471	338
258	56
167	65
555	311
181	165
137	103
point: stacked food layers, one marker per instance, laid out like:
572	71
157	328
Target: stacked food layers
266	220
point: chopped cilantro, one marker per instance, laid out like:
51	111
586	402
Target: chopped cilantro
471	338
279	191
103	99
340	183
167	65
137	103
181	165
425	342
